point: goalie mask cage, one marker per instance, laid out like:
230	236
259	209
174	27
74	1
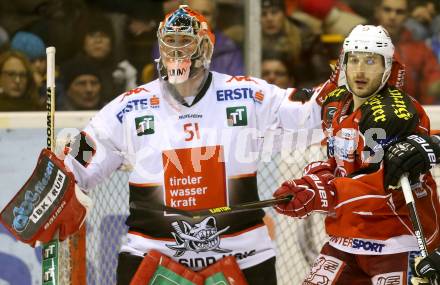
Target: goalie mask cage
91	257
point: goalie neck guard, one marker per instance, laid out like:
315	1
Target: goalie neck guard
186	44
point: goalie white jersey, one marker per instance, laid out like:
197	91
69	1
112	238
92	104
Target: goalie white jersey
196	156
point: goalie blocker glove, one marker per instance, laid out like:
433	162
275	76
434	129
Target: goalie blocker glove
311	193
415	155
49	201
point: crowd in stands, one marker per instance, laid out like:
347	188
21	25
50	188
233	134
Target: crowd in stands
107	47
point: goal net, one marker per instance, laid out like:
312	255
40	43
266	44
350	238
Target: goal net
297	241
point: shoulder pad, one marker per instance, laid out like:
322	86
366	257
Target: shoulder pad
337	94
391	110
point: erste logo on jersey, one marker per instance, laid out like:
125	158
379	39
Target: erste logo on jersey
240	93
236	116
235	94
138	105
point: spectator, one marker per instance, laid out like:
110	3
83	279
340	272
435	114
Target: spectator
296	40
420	19
276	70
4	38
140	35
434	41
17	87
16	15
422	77
279	35
83	86
57	22
334	17
97	47
364	9
34	48
169	6
227	57
424	24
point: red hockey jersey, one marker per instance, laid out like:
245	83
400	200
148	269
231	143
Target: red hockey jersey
369	219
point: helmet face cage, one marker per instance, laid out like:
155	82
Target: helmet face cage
370	39
184	37
176	26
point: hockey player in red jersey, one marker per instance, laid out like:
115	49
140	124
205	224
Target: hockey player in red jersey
371	237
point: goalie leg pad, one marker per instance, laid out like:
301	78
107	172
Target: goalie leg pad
157	267
49	201
224	271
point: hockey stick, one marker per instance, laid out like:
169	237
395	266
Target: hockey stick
250	206
409	199
50	250
418	230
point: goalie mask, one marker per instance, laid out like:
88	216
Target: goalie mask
367	39
185	44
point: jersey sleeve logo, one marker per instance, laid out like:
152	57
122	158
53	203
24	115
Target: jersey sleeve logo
377	107
241	78
399	105
154	102
144	125
336	93
259	97
133	91
236	116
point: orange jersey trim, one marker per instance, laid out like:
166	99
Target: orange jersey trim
144	185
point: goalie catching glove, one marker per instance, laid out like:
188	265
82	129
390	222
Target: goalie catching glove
311	193
50	201
414	155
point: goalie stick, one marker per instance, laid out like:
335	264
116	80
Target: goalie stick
50	250
418	230
249	206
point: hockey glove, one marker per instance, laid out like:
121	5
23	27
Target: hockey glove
414	155
427	268
311	193
320	168
301	95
